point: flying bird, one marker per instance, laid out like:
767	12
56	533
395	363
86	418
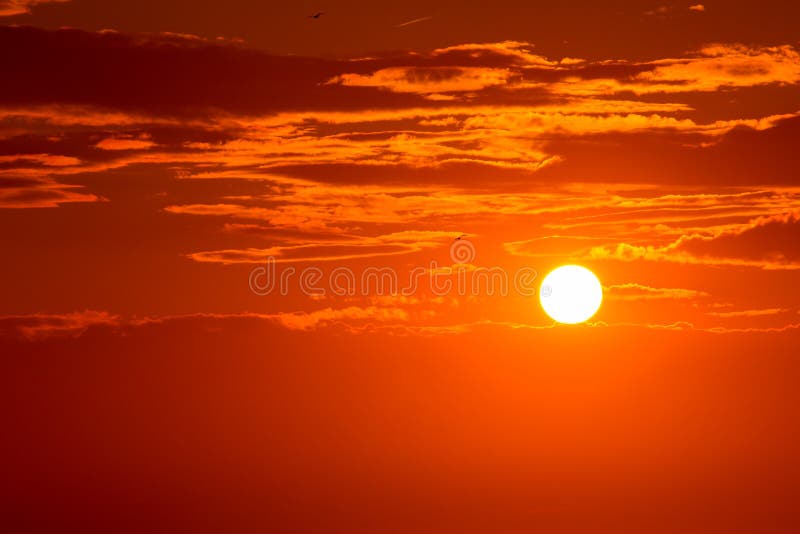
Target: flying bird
461	237
316	15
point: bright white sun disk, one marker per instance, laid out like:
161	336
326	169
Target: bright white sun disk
571	294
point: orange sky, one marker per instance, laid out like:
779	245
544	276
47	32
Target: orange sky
153	154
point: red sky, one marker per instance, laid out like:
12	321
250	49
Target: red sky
153	154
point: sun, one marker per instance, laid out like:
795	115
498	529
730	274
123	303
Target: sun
571	294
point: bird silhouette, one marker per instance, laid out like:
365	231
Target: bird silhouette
461	236
316	15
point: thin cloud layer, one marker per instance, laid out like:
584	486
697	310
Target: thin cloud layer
393	156
36	327
10	8
427	81
633	292
396	111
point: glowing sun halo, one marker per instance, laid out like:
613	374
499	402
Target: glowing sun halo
571	294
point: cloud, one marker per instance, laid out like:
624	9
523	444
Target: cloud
741	157
713	67
769	242
510	138
122	143
10	8
341	208
311	320
773	240
427	80
676	215
659	11
384	318
122	72
636	292
520	109
517	52
754	330
668	11
597	224
724	66
168	75
628	252
65	117
371	167
744	228
43	326
46	160
749	313
40	327
25	192
708	69
328	171
348	248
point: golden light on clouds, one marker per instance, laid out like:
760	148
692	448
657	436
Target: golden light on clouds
235	224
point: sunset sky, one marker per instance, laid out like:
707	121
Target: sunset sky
155	154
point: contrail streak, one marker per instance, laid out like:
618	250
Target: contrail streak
423	19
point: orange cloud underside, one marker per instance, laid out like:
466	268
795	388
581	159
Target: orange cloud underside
614	163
